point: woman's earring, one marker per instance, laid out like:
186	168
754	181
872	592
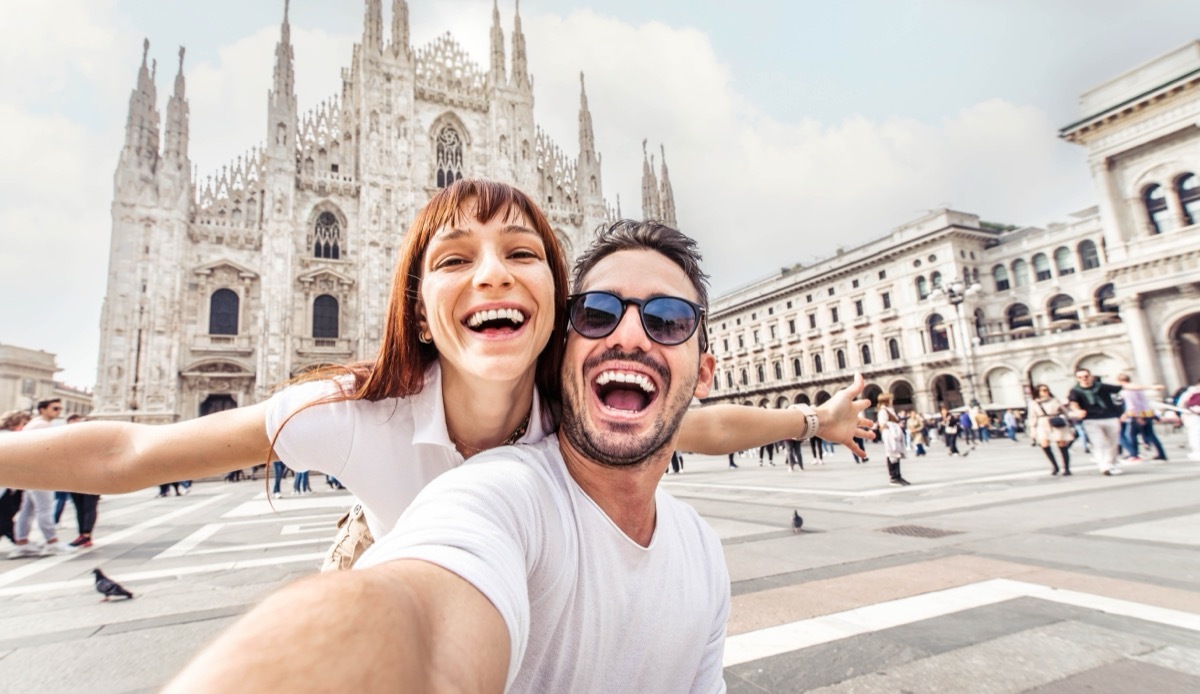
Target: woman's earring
425	337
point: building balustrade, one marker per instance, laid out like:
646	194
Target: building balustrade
230	345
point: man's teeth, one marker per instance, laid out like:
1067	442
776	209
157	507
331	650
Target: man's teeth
621	377
511	314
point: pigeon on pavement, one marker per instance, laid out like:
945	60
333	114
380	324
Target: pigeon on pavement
108	587
797	521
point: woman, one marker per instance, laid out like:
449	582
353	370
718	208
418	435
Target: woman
10	499
893	438
950	430
469	360
1049	423
916	432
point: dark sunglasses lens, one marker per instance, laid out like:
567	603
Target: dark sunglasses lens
595	315
668	320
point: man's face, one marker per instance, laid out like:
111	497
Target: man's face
51	411
1084	377
624	395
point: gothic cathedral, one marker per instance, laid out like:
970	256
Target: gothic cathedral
221	290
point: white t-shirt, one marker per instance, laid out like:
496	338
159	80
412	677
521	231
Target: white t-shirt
587	608
384	452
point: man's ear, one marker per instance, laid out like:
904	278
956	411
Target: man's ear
708	365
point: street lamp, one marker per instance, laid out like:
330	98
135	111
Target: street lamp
956	292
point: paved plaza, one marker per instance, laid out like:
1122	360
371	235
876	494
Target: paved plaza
986	575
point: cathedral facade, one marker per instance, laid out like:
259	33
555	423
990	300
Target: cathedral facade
219	291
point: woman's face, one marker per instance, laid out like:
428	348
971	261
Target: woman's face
1043	392
487	297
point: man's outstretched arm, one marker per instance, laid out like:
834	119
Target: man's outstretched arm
406	625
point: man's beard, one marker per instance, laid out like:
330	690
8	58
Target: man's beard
617	446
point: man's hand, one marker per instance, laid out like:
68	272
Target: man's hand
841	419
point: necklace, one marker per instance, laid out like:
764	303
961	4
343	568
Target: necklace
512	438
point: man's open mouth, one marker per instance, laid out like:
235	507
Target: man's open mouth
496	321
625	390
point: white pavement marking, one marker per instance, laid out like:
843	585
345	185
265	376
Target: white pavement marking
259	505
326	527
189	543
1178	530
786	638
864	493
262	545
23	572
130	578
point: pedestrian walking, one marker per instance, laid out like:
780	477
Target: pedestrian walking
818	450
770	451
731	463
37	502
1100	407
916	432
1138	419
1051	426
1010	425
795	452
950	431
300	484
893	439
10	499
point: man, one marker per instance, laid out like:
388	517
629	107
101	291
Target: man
1010	425
554	567
1099	405
38	503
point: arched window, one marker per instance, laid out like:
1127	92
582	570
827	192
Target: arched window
1187	189
449	156
894	349
840	355
1155	201
866	355
762	375
1063	313
1106	299
1020	273
223	312
729	379
1089	259
1000	274
1041	267
922	287
980	325
778	371
939	340
817	366
325	317
796	369
1063	262
935	279
1018	317
745	378
327	237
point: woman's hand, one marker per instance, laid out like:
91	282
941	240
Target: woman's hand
841	419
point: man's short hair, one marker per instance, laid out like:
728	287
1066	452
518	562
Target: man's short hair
630	235
75	417
43	404
1082	370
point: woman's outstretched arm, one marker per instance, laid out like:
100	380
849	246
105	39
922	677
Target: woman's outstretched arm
114	457
721	429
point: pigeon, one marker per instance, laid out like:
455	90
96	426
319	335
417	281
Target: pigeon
797	521
108	587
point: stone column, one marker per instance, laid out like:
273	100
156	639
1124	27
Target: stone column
1141	340
1111	202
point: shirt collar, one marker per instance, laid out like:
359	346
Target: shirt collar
429	414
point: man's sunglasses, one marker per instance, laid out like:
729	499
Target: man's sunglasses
668	320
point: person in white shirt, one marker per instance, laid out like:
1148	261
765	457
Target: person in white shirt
557	567
38	503
469	360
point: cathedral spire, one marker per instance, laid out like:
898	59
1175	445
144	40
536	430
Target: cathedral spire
587	165
281	99
498	77
373	26
176	145
587	141
650	200
400	28
141	125
666	196
520	67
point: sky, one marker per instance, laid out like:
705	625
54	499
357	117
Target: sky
791	127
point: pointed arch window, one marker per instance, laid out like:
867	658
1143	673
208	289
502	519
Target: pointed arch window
1187	189
325	317
1155	200
327	237
223	312
449	156
939	339
1089	258
1000	275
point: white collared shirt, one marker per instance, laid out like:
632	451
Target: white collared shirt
385	452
